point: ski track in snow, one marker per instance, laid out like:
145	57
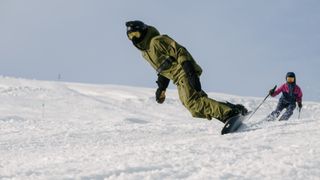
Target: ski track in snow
56	130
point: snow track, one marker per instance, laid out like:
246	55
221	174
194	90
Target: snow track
55	130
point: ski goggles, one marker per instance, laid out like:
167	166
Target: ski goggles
134	34
290	79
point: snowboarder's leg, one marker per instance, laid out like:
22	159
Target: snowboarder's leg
201	106
288	112
281	105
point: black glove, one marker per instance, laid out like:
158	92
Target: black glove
299	105
163	83
160	95
194	80
271	91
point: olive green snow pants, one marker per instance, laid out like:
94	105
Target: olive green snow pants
199	104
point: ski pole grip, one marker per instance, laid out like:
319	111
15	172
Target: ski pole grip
271	91
274	88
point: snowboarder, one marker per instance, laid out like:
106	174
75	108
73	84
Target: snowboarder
173	62
291	94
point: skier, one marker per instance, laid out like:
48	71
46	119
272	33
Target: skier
291	93
173	62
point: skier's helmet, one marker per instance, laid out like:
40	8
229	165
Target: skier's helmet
291	77
136	30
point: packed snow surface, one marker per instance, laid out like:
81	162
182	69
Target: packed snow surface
58	130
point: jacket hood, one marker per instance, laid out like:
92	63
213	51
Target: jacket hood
145	43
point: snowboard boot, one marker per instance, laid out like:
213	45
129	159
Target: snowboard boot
232	113
242	109
238	107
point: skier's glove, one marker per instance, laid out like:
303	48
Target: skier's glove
299	105
160	95
271	91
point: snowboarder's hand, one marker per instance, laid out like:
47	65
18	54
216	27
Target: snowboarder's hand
299	105
160	95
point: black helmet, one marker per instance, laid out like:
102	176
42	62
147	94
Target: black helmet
291	75
136	26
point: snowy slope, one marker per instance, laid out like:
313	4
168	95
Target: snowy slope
55	130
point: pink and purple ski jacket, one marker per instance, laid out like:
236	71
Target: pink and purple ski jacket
287	95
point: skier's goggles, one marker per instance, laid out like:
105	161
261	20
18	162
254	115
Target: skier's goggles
134	34
290	79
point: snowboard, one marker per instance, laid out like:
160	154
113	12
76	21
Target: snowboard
233	124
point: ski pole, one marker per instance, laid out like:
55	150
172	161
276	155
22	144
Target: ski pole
261	103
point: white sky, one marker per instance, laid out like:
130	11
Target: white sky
244	47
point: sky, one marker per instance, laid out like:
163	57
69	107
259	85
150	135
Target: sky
244	47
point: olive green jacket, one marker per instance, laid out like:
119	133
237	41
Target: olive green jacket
156	49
